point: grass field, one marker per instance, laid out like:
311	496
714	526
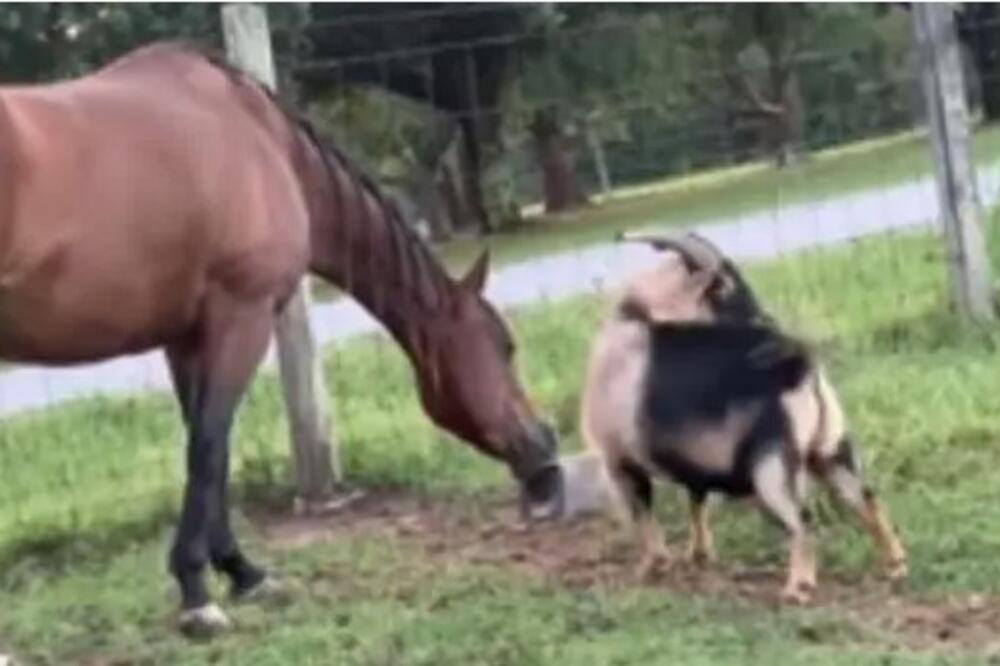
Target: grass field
723	192
89	492
713	194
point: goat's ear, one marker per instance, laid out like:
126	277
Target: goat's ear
701	281
475	279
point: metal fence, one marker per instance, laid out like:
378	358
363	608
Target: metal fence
700	114
855	163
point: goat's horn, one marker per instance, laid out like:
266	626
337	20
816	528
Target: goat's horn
707	247
697	249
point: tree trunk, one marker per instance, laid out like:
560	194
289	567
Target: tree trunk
438	144
788	127
979	28
600	159
453	188
429	198
778	108
447	186
556	161
471	169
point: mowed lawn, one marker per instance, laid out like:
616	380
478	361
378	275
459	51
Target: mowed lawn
88	494
724	192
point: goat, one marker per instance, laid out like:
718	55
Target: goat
690	379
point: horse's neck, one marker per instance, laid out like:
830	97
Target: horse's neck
6	176
361	245
6	134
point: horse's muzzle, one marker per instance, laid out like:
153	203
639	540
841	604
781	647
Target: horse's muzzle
540	475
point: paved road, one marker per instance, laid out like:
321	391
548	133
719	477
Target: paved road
748	237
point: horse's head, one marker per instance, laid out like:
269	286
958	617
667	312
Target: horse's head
469	386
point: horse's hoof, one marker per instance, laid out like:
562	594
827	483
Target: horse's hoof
268	590
204	622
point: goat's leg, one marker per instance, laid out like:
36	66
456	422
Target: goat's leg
842	474
779	490
701	551
634	490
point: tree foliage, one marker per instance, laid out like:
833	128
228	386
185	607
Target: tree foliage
48	40
549	100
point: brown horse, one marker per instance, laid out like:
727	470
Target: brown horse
168	201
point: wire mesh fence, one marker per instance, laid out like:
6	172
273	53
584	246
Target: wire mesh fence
806	161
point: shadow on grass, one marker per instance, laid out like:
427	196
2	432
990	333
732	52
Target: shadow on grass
61	551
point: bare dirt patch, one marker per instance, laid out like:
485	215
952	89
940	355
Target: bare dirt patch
593	553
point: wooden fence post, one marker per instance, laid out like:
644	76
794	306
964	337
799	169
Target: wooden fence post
948	120
317	466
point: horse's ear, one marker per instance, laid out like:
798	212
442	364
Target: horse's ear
475	279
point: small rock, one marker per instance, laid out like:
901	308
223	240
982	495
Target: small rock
976	602
409	525
303	508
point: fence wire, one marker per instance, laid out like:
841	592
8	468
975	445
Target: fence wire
832	212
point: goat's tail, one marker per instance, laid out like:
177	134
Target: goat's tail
831	428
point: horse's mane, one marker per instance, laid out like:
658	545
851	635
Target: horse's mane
413	256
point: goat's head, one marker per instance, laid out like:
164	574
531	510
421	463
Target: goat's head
694	282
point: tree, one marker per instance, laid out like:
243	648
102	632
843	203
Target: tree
398	141
751	49
567	94
52	40
979	29
43	41
449	55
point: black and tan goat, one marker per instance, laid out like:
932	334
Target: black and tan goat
689	379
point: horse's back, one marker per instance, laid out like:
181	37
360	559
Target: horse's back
137	190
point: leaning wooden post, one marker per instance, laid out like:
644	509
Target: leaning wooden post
958	194
317	467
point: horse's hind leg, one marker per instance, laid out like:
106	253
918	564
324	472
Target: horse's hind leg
211	374
842	474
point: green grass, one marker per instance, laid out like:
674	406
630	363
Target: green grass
723	192
710	195
373	604
88	490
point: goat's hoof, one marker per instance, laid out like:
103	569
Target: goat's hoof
268	590
896	571
203	622
798	594
701	558
652	566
